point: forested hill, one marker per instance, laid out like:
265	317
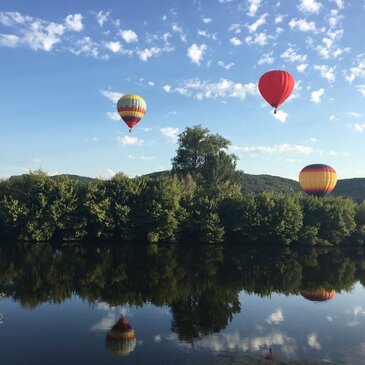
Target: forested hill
352	188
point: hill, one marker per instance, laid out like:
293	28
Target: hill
351	188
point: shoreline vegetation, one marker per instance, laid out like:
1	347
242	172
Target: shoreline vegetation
201	200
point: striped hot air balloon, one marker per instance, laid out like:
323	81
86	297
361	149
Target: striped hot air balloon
318	179
121	339
131	109
319	295
276	86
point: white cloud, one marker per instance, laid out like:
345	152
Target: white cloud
170	133
9	40
316	95
358	127
115	47
358	311
146	53
207	20
146	129
254	26
326	72
275	149
260	39
279	19
9	19
74	22
213	90
235	41
310	6
87	47
112	95
313	341
129	140
357	70
224	1
302	67
108	174
196	53
113	115
178	29
355	115
275	318
105	324
280	115
302	25
141	158
267	58
290	55
235	28
253	5
333	118
225	66
339	3
102	17
329	49
129	36
361	89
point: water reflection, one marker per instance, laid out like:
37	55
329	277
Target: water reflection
121	339
202	289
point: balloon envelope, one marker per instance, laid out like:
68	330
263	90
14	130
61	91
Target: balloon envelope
276	86
131	109
319	295
318	179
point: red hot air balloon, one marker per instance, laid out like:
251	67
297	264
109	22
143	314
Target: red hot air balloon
276	86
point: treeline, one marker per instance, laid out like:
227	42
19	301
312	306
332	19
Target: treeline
200	201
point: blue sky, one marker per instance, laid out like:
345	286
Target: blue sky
64	64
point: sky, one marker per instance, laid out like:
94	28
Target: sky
64	64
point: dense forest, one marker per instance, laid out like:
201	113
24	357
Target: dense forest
201	200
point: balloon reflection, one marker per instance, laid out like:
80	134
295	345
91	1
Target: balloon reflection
121	339
319	295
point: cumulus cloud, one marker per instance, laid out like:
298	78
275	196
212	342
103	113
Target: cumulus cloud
102	17
196	53
178	29
108	174
280	115
276	317
275	149
313	341
74	22
361	89
225	66
355	115
290	55
9	40
358	127
141	158
253	6
112	95
129	140
213	90
302	67
267	58
339	3
207	20
316	95
259	38
170	133
113	115
326	72
310	6
235	41
115	47
145	54
129	36
302	25
87	47
357	70
252	28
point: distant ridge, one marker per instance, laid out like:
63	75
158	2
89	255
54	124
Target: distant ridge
351	188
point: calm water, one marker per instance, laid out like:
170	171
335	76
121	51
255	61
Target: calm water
186	305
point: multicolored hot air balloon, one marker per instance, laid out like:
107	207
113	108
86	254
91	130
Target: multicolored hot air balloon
131	109
276	86
121	339
318	179
319	295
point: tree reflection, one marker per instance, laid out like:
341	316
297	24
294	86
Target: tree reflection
200	284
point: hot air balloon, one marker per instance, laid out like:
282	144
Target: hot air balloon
320	295
131	109
121	339
276	86
318	179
